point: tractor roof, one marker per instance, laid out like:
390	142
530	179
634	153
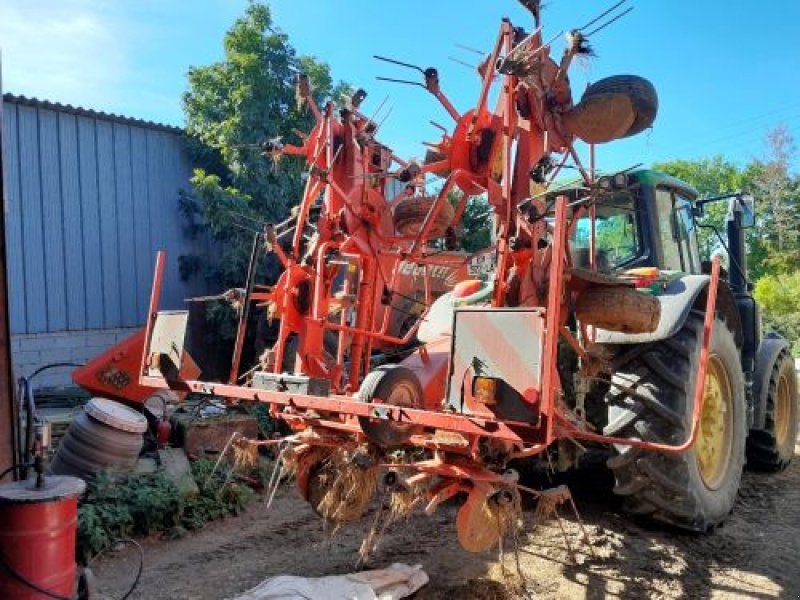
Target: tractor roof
656	178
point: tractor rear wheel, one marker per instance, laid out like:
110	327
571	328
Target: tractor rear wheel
772	448
652	399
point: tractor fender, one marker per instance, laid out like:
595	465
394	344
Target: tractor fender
768	352
678	299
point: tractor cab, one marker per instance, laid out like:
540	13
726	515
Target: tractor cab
641	219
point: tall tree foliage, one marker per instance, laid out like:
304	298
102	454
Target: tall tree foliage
778	194
774	243
231	107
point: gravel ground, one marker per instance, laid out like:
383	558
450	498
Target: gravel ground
754	555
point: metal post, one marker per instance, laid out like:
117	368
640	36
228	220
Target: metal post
7	407
244	315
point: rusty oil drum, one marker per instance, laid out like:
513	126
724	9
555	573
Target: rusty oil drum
37	537
105	435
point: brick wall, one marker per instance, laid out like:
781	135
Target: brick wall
31	351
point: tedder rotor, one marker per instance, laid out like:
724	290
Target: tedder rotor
402	363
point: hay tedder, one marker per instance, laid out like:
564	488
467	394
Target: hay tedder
589	325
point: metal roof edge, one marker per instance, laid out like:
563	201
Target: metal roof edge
87	112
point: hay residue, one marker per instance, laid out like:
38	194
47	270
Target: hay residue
245	453
341	487
399	505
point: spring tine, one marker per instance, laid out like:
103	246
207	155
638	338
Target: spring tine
405	81
386	116
462	62
607	23
474	50
380	106
399	62
601	15
277	473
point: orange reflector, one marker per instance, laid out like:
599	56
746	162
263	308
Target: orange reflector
466	288
484	390
643	277
644	272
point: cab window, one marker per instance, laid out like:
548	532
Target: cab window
616	234
676	230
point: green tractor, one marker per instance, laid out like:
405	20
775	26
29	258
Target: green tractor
750	408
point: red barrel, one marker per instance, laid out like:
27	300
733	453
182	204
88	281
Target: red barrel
37	536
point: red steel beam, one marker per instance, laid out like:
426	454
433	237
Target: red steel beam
8	442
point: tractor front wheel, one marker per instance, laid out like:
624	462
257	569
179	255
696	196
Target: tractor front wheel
651	398
772	448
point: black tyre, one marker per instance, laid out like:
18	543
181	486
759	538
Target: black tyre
652	398
410	213
639	90
772	448
395	385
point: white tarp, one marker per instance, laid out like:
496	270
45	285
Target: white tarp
396	581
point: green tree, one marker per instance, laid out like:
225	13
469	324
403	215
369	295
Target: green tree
475	228
779	297
231	107
777	243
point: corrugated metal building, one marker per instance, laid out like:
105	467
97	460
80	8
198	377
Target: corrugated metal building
90	198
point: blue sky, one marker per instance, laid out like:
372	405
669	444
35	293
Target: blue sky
725	71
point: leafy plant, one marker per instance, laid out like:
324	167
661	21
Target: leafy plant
118	506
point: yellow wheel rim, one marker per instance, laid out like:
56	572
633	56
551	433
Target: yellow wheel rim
783	412
713	446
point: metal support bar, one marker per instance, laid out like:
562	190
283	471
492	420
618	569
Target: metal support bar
152	311
8	418
244	315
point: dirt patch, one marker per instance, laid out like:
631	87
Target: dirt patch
754	555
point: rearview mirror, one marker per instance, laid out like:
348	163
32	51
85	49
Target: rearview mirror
745	205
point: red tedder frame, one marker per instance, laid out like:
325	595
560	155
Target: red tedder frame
515	145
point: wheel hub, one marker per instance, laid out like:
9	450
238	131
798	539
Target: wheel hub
713	445
783	413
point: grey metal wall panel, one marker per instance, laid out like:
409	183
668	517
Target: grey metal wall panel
14	254
127	223
91	198
55	295
141	201
90	215
32	225
109	227
75	277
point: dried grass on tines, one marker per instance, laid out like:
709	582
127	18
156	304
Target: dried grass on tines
245	453
346	488
401	503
